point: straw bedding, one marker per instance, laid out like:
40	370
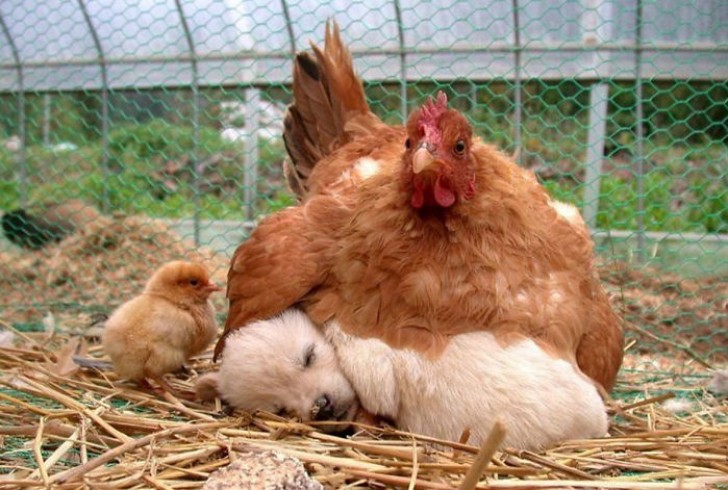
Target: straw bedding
70	427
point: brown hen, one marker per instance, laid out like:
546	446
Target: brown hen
413	235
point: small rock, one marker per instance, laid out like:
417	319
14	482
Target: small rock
262	470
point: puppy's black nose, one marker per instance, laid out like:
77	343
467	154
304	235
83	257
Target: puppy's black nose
323	408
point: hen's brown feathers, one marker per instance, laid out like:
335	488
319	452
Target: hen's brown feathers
287	256
327	95
503	258
505	261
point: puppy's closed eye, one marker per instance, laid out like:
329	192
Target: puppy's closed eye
309	356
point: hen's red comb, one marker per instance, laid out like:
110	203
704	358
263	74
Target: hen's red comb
430	113
433	109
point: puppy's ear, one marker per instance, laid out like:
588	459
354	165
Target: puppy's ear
207	387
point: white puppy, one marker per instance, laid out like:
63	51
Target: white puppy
281	365
541	399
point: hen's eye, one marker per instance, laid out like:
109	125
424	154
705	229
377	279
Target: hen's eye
459	148
309	356
408	143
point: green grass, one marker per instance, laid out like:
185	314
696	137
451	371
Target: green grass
150	171
684	190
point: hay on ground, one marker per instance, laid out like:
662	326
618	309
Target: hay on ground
65	426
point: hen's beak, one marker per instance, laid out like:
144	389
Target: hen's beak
422	159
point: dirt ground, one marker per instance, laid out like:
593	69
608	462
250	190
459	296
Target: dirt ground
665	313
88	274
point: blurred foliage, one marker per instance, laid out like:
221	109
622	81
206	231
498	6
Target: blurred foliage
150	172
151	148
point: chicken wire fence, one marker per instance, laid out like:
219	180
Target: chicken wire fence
138	131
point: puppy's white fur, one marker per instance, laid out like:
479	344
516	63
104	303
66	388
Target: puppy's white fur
541	399
264	367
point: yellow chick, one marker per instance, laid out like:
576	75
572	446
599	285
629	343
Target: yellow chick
157	331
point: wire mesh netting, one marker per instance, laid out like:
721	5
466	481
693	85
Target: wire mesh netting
135	132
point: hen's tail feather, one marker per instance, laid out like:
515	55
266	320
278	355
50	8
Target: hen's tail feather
327	93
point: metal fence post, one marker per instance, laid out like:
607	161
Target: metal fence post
289	26
402	62
593	34
46	119
21	159
252	127
640	137
105	205
196	176
598	98
517	100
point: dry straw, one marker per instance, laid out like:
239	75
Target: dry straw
66	427
70	428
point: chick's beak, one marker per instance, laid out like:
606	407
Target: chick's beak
211	287
422	159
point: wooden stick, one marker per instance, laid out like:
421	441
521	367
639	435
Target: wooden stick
415	466
79	471
555	465
57	455
649	401
71	403
37	453
169	396
54	429
399	481
613	484
487	450
27	406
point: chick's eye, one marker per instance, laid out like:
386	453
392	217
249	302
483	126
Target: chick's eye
309	356
194	283
459	148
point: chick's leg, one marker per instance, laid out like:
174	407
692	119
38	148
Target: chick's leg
165	358
165	387
159	379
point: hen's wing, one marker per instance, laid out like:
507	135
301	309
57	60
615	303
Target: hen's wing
601	350
286	257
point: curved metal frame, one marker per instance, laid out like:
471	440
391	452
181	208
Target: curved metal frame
23	177
637	46
289	26
104	105
517	95
195	120
402	61
640	134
